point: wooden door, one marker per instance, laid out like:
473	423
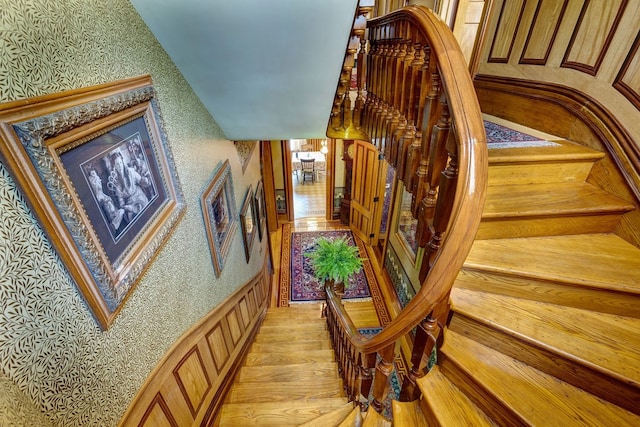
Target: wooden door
366	190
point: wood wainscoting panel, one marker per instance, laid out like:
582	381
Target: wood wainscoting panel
628	79
192	378
542	32
188	385
244	312
235	327
218	347
592	36
158	414
505	33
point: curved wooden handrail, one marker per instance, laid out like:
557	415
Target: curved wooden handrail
468	128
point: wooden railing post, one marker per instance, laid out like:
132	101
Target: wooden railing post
384	368
427	333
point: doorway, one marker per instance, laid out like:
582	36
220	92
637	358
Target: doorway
309	188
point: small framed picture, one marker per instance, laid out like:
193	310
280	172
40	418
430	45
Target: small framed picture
248	223
219	211
260	209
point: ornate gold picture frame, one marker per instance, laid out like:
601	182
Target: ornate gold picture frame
220	217
95	167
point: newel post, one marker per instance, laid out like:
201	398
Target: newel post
384	367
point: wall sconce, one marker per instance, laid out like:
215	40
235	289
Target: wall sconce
324	149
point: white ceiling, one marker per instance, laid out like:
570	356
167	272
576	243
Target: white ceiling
265	69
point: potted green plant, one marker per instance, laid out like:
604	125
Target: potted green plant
335	260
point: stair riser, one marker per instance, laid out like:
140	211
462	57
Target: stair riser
538	173
290	346
276	414
282	392
289	358
278	374
504	228
277	328
571	295
291	337
556	364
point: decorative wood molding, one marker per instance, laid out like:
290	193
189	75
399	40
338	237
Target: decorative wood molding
539	30
188	385
503	33
611	133
579	39
628	90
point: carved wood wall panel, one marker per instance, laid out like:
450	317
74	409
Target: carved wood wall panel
158	414
543	31
504	36
191	376
218	346
188	385
628	80
593	34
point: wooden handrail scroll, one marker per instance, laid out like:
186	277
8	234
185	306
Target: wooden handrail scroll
420	110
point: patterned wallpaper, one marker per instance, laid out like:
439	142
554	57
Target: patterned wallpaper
54	360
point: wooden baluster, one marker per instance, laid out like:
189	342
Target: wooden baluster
367	366
431	112
372	62
437	161
420	87
352	394
407	133
361	70
399	138
446	195
387	109
395	116
345	79
377	91
384	367
427	332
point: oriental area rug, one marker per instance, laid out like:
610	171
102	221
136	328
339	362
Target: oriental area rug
304	286
499	136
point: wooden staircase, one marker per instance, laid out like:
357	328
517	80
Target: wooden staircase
290	378
544	328
545	321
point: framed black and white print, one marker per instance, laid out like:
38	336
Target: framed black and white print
219	211
95	167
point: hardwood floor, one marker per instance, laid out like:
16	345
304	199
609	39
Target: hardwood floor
309	198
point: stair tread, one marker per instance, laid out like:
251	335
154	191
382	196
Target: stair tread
564	151
285	347
599	260
334	418
597	340
374	419
259	391
293	372
290	413
558	198
408	414
289	357
450	405
538	398
588	298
